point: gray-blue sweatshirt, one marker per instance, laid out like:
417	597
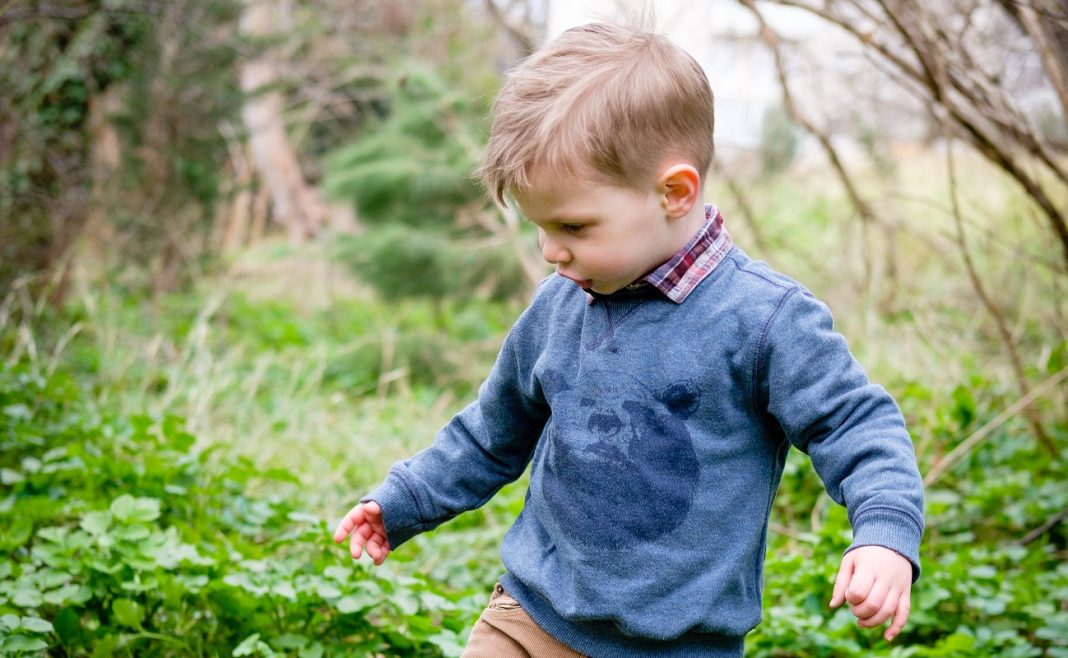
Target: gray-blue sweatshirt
657	433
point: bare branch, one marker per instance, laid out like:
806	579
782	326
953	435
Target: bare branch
863	208
522	38
946	79
995	312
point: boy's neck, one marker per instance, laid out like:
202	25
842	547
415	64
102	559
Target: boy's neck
690	224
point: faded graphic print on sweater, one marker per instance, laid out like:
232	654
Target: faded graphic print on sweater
619	463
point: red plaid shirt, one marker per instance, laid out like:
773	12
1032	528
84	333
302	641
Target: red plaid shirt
678	277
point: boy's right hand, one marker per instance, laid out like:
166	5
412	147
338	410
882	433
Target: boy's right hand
365	524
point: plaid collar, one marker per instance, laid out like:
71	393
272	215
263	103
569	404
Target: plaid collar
681	274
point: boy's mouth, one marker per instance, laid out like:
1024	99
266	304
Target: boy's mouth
585	284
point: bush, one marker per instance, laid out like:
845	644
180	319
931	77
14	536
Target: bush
119	535
411	182
990	587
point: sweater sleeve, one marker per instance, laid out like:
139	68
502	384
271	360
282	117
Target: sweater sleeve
484	447
852	429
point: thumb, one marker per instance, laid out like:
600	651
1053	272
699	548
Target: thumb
841	582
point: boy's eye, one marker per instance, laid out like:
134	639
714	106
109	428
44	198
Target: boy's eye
571	228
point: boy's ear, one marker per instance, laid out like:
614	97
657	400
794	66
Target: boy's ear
679	187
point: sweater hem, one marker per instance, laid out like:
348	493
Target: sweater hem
605	640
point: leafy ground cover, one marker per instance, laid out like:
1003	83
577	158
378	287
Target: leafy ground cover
120	539
125	534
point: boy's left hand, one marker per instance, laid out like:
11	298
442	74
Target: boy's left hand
877	583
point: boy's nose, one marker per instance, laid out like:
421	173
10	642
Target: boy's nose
552	251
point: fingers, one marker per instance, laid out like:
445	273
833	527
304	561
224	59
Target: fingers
368	532
368	512
860	585
356	545
868	610
883	614
373	511
377	548
877	584
354	518
842	581
901	615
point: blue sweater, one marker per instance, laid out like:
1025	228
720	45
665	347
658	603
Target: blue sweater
657	434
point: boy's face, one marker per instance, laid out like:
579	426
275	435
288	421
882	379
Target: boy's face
601	236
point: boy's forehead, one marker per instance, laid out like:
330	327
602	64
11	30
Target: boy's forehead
556	181
553	193
570	198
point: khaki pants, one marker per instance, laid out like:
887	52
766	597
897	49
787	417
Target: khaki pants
505	630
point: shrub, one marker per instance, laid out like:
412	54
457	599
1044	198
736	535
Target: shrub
119	535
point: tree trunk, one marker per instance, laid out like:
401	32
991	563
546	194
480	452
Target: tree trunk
293	203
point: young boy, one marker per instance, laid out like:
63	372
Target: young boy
655	384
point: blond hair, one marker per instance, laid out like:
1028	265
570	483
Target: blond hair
599	100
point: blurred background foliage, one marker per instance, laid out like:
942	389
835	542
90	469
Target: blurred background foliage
410	177
244	267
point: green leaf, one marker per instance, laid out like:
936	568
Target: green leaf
147	585
70	593
68	625
104	566
247	646
313	651
290	641
37	625
128	509
54	454
327	590
285	590
96	523
304	517
355	602
406	602
193	583
448	642
282	475
965	410
133	533
26	596
9	477
18	411
105	647
17	535
123	506
9	622
52	578
128	612
20	643
340	574
243	581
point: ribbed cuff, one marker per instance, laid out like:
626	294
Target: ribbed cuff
400	510
891	529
